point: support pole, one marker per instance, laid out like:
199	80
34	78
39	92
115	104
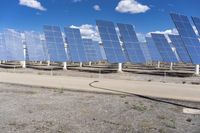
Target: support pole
24	61
48	63
65	65
158	64
90	63
197	69
171	66
81	64
119	67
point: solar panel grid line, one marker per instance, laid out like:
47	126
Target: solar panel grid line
188	36
153	50
75	45
131	43
2	48
13	44
55	44
145	51
110	40
34	46
164	48
98	50
180	48
90	50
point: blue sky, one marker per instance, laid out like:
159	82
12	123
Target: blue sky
146	15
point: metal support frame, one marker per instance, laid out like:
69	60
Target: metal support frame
158	64
48	63
81	64
119	67
24	61
65	65
171	66
90	63
197	69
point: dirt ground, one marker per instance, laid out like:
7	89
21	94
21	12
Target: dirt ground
124	75
39	110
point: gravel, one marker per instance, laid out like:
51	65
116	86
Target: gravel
37	110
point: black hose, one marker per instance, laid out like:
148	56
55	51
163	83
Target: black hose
144	97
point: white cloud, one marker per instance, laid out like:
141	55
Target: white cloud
32	4
166	33
131	6
88	31
97	7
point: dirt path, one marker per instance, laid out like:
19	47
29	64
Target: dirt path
155	89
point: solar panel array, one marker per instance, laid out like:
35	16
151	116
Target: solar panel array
180	48
164	48
131	43
2	48
35	48
90	50
98	50
145	51
110	42
75	44
153	50
55	44
103	53
197	23
188	36
14	45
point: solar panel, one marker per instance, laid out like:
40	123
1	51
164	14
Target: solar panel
180	48
111	44
75	43
153	50
98	50
164	48
196	21
145	51
90	49
188	36
2	48
35	48
103	53
131	43
14	45
55	44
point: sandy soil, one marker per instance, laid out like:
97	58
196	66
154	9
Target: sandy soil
124	75
36	110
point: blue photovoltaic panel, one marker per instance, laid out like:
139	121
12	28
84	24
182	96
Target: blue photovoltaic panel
153	50
35	48
180	48
14	45
75	45
188	36
196	21
55	44
2	48
98	50
103	53
110	42
164	48
145	51
44	44
90	50
131	43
